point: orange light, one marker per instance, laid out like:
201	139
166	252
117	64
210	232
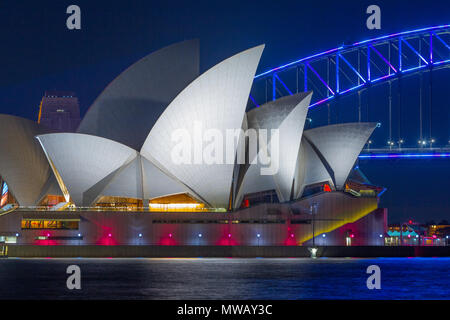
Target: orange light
178	202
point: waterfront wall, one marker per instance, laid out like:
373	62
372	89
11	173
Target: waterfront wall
32	251
289	224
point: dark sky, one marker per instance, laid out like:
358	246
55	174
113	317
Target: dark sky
39	53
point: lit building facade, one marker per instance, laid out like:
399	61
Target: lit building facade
115	182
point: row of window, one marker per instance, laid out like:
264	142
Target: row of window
50	224
74	225
218	221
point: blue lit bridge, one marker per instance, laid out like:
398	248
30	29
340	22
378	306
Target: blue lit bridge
355	69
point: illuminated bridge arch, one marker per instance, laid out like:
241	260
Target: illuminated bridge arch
349	68
353	68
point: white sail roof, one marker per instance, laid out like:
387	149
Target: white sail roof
216	100
287	115
340	145
129	106
254	182
310	170
23	164
83	161
157	183
127	181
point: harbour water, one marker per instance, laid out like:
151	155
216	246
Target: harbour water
202	278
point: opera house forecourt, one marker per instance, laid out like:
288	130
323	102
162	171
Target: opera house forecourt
166	156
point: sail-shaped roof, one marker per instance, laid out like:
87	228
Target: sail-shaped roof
129	106
215	101
339	146
23	164
83	161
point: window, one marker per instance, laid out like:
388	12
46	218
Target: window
50	224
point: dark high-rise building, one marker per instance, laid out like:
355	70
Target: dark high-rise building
59	110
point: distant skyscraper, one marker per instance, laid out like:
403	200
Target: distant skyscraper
59	110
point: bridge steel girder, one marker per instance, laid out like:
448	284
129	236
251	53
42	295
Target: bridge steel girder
387	58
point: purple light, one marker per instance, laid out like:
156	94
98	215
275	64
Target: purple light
374	80
415	51
320	78
284	85
431	47
382	57
410	155
383	77
370	43
337	72
353	68
414	68
253	100
440	39
353	88
355	44
274	87
400	61
401	33
305	79
295	62
441	62
320	102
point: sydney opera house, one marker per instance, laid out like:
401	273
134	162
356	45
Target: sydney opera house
114	180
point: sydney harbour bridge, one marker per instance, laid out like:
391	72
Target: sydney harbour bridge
357	70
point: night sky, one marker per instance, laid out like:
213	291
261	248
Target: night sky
39	53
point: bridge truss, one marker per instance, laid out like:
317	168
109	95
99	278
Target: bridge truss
353	68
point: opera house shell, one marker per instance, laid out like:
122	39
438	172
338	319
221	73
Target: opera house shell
120	159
